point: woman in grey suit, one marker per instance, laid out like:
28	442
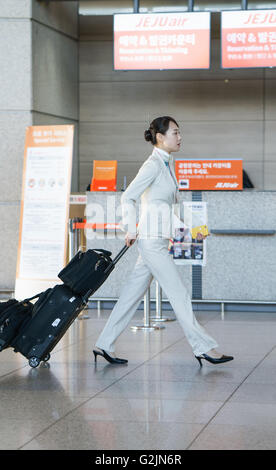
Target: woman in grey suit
157	186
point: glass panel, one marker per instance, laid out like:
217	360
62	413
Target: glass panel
259	5
105	7
216	5
152	6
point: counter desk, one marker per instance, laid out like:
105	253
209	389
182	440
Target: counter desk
241	251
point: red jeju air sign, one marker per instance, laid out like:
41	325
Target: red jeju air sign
162	41
248	38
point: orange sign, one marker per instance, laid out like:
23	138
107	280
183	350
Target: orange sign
162	41
248	38
200	175
104	175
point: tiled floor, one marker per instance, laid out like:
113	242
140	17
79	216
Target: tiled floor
160	400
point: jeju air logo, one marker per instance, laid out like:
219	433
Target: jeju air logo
261	18
160	21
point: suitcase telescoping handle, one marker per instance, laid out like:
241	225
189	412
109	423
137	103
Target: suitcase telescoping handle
120	254
109	268
116	259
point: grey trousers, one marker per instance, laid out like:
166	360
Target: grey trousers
155	261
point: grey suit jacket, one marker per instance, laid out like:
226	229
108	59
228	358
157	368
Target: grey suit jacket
157	189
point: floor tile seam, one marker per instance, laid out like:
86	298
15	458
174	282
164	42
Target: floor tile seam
199	382
229	397
130	421
12	372
87	400
157	397
151	399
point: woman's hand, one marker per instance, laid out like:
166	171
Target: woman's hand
130	239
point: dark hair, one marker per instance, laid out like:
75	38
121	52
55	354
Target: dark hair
160	124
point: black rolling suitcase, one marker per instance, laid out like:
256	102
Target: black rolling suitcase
57	307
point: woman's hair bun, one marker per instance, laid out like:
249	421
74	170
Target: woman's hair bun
148	135
159	125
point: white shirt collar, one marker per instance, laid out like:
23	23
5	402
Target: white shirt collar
163	154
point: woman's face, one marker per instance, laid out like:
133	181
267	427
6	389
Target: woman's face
170	142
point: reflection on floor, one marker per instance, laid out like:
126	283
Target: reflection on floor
161	399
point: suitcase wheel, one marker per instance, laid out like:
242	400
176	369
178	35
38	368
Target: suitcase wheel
34	361
46	358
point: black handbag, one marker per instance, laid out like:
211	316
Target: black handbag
13	315
86	271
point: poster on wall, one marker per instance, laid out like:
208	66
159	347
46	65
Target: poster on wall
248	38
162	41
209	175
44	208
186	247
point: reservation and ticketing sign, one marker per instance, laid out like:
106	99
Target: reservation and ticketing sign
162	41
44	208
200	175
248	38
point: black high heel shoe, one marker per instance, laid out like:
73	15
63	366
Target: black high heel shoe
112	360
214	360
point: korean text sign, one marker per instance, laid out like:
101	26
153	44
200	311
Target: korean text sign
248	38
162	41
193	175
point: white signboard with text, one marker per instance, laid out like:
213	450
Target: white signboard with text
44	208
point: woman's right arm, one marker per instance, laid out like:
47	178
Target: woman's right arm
144	178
